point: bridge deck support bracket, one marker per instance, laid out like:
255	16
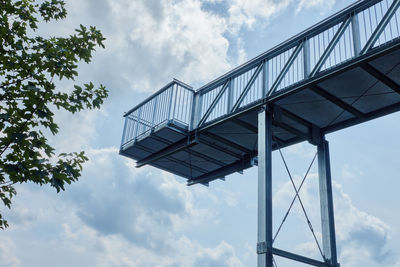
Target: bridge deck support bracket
265	250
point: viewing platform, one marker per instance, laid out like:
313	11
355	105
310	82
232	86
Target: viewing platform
341	72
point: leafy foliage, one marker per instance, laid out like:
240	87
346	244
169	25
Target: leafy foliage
29	67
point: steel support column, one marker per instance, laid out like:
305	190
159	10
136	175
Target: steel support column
326	202
264	237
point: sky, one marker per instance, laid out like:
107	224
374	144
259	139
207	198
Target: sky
119	215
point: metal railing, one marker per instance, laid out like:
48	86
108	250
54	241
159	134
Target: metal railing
171	104
350	33
353	32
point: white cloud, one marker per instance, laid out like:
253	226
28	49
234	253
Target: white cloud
114	250
245	13
222	255
116	215
351	173
158	40
8	253
323	4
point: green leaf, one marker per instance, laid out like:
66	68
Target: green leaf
29	73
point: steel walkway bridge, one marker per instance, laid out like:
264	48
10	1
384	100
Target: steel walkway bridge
341	72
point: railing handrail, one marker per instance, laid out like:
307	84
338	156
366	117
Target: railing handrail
160	91
291	42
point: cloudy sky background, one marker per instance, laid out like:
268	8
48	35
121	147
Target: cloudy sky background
117	215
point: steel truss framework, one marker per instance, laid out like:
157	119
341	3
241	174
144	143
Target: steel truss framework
329	47
298	51
340	72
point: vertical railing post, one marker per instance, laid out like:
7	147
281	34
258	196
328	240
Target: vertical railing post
265	84
264	245
171	94
306	57
326	202
230	96
154	111
195	110
174	96
355	27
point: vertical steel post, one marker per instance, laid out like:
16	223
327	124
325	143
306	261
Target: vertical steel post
265	85
355	27
230	96
326	202
174	88
306	57
195	111
264	246
171	95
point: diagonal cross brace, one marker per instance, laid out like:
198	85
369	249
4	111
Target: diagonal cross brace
247	88
330	47
381	26
214	103
285	69
302	205
295	197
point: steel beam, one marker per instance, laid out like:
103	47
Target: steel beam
337	101
228	143
216	146
381	77
265	234
194	153
174	148
295	118
292	130
330	47
222	172
326	203
285	69
369	116
247	88
245	125
298	258
167	158
381	26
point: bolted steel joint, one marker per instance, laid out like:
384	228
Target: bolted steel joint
262	248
